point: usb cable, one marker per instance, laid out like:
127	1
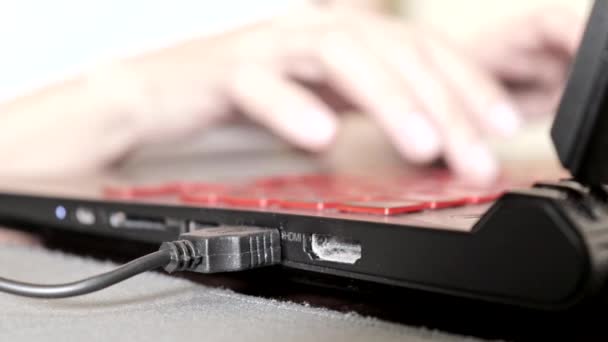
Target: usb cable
207	250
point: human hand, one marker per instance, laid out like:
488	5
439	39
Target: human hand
415	83
531	56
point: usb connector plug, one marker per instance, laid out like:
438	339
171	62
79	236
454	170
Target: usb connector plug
224	249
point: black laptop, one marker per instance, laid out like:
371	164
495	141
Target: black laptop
537	238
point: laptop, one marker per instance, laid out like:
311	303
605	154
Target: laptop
538	238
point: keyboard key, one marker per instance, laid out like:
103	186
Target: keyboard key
247	199
190	187
483	197
199	197
313	202
383	194
384	208
439	201
306	204
240	198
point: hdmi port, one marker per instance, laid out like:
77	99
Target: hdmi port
121	220
334	249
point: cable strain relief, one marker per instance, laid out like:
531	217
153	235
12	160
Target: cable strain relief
184	256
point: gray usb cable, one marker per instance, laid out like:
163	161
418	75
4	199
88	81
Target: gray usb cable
207	250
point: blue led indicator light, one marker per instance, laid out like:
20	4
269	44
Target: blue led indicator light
61	212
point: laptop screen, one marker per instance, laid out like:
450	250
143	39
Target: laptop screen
579	130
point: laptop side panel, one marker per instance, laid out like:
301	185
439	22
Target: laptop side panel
530	248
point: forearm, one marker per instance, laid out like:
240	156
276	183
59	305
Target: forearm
87	123
67	121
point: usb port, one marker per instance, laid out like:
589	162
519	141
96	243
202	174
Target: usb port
334	249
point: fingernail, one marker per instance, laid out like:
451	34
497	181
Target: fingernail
483	164
506	119
423	136
319	128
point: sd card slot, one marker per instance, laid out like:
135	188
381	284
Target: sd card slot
122	220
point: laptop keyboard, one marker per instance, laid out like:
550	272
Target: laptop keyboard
390	194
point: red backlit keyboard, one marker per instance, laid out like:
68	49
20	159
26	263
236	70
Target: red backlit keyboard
385	195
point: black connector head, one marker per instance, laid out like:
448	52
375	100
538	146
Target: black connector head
224	249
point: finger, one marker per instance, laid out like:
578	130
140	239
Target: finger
489	102
536	69
418	71
446	89
492	106
441	104
560	28
556	28
284	107
368	84
538	101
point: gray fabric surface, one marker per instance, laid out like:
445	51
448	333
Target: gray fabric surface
157	307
